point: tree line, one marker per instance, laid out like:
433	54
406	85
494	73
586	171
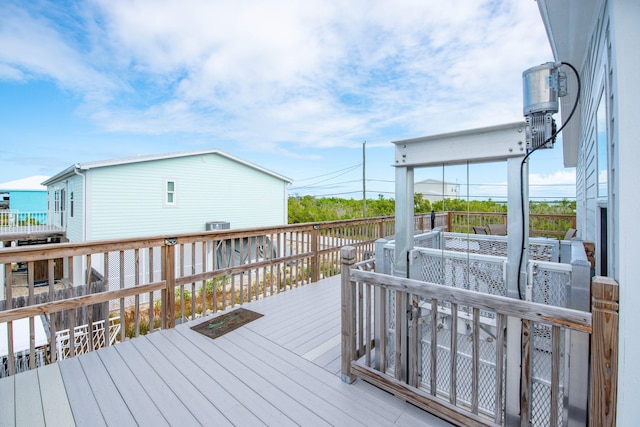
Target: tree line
311	209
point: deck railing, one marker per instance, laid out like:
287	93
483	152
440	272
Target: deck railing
540	225
156	282
202	273
447	350
18	222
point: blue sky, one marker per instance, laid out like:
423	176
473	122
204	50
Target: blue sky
295	87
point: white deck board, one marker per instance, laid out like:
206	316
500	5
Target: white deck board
278	370
112	405
55	404
141	407
291	394
28	411
7	401
256	393
84	406
163	396
235	400
193	389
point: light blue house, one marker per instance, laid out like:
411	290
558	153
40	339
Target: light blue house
24	195
165	194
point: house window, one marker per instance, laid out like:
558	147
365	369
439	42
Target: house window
170	191
71	204
56	201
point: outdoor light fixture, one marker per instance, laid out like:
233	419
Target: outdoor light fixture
542	86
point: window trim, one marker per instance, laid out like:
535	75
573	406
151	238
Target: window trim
166	192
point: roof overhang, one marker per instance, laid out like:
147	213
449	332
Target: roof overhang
490	144
79	167
569	25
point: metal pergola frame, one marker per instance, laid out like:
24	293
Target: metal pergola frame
491	144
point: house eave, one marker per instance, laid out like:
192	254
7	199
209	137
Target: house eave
154	157
568	24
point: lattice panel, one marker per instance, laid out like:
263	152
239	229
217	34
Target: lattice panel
541	359
481	276
21	361
425	352
391	331
539	250
81	337
550	287
464	363
464	368
487	375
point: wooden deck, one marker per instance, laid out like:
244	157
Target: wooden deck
281	369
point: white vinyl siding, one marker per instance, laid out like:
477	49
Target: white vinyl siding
128	202
74	223
596	75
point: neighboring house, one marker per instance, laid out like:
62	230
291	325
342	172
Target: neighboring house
165	194
600	39
24	195
434	190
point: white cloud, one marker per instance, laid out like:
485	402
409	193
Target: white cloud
312	74
560	177
34	47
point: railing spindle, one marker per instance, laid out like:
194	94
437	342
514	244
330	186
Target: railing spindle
368	314
361	335
232	257
32	326
500	323
181	248
89	284
414	342
398	350
9	296
123	320
193	284
555	375
453	374
434	348
151	301
52	317
475	370
136	282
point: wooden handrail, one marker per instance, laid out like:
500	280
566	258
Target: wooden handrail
76	302
555	316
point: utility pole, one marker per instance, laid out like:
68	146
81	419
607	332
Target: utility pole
364	180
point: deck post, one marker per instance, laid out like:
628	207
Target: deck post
315	253
604	351
168	273
517	222
404	219
348	313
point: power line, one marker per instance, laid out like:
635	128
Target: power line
328	179
330	173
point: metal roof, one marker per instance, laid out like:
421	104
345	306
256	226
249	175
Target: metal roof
31	183
149	158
